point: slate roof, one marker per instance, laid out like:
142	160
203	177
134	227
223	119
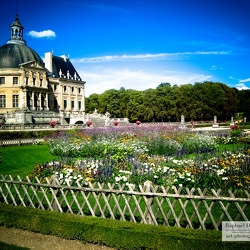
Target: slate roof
63	64
11	55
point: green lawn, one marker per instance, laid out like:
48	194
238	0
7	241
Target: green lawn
20	160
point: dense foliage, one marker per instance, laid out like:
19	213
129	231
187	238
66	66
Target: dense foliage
201	101
113	233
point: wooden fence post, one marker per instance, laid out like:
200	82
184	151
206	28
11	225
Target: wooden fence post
149	203
55	192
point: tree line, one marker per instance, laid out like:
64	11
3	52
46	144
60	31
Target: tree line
198	102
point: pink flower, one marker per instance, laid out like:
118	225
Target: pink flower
52	123
88	123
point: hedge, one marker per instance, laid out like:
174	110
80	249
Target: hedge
112	233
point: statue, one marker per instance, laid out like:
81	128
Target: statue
215	123
107	119
232	121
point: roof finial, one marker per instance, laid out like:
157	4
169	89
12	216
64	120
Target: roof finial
16	8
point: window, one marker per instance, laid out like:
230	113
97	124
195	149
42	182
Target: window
41	82
55	86
79	90
15	80
72	89
27	80
34	81
15	101
79	105
64	88
2	101
72	104
2	80
65	104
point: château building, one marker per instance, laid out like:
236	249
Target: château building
33	91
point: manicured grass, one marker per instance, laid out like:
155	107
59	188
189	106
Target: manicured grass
21	160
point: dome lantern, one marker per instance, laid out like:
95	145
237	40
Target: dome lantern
16	32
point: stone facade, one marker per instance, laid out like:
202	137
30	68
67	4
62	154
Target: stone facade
32	91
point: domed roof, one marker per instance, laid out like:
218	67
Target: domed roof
16	52
12	55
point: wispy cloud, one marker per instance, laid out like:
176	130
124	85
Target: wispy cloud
245	80
144	56
97	81
42	34
214	67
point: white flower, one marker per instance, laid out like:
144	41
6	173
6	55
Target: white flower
165	169
224	178
117	178
220	172
124	178
180	185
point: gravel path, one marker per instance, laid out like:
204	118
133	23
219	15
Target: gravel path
39	241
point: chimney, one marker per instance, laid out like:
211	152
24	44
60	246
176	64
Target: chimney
48	61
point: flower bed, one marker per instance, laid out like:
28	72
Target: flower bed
132	155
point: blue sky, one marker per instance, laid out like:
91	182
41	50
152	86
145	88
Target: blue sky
138	44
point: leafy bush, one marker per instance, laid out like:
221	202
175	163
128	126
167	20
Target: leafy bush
112	233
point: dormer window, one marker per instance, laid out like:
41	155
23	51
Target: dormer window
34	81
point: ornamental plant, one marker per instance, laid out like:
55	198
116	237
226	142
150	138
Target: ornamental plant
235	132
89	123
53	123
132	155
115	123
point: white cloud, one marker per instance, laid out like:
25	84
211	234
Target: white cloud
214	67
41	34
143	56
100	80
245	80
241	86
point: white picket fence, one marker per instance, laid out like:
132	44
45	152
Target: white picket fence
148	204
19	142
